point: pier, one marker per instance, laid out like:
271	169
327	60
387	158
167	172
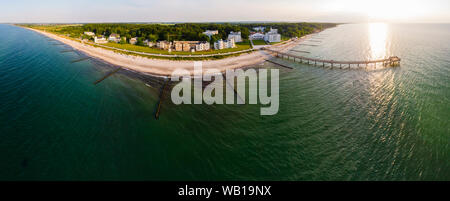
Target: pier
309	45
391	61
282	65
300	51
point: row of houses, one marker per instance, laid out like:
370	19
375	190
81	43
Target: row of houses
271	36
191	46
195	46
184	46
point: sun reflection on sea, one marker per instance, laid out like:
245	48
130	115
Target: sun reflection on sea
378	40
381	83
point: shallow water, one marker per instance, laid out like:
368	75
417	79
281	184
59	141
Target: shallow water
333	124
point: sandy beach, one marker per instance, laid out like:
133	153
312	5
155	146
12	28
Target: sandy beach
163	67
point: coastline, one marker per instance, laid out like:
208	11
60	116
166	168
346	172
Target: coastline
162	67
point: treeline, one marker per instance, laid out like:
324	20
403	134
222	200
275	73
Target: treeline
291	30
188	31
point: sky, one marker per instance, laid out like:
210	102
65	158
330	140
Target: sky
85	11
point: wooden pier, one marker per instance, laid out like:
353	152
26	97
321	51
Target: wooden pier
300	51
391	61
312	45
282	65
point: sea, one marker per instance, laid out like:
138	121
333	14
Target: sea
358	124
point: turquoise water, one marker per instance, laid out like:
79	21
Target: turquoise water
379	124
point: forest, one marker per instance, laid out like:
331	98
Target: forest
186	31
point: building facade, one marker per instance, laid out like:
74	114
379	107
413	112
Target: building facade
89	33
236	36
202	46
100	40
221	44
257	36
149	43
218	45
133	41
191	46
164	45
210	33
272	36
114	38
184	46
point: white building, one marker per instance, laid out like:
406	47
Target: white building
114	38
230	43
149	43
257	36
133	41
211	32
202	46
89	33
236	36
218	45
221	44
164	45
101	40
259	29
272	36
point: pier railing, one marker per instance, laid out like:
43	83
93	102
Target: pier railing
391	61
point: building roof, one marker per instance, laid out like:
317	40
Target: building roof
260	34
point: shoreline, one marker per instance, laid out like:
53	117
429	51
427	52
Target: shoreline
165	68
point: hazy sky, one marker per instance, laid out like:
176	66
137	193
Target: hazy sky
65	11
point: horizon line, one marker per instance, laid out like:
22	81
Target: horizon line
212	22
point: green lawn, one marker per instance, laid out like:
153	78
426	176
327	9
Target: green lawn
136	48
259	42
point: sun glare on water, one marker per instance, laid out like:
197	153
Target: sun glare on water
378	40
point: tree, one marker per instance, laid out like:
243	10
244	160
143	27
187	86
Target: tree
152	37
140	41
215	38
123	40
188	31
